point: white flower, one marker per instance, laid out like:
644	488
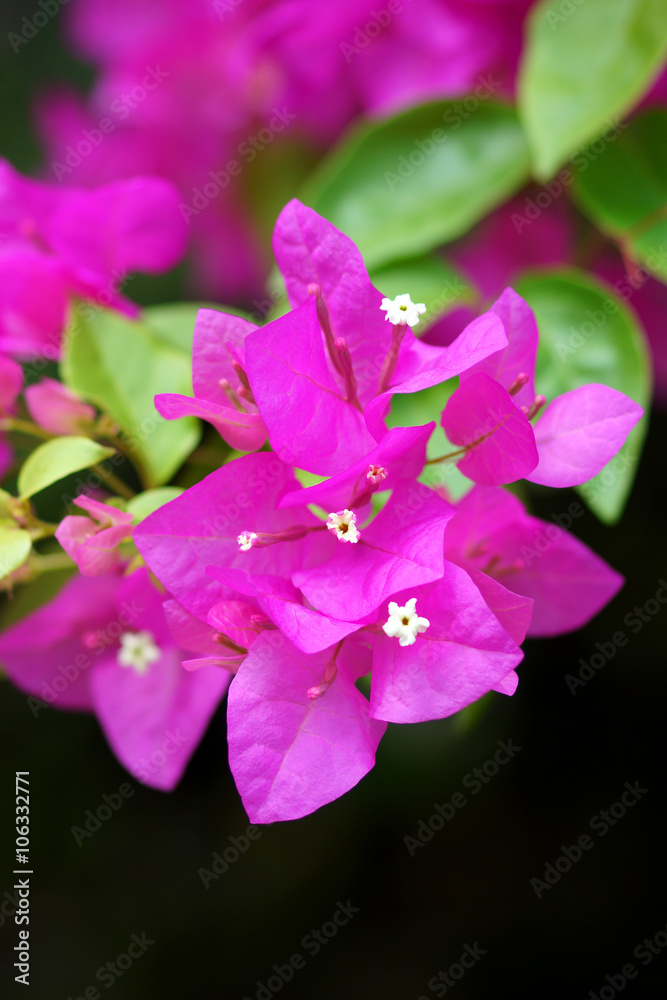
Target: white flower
404	623
402	310
245	540
344	525
138	650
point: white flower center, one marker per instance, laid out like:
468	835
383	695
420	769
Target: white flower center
245	540
344	525
138	651
376	474
404	623
402	310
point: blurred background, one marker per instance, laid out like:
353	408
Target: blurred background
217	929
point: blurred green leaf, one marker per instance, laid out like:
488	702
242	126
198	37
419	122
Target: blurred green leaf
587	334
624	192
402	186
583	65
6	503
430	280
120	365
56	459
308	478
15	546
175	323
145	503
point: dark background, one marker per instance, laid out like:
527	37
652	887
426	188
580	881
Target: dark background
471	883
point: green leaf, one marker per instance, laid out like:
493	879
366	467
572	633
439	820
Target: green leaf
56	459
308	478
430	280
587	334
145	503
6	502
175	323
584	65
624	192
120	365
402	186
15	546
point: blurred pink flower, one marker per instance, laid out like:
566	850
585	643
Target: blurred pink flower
195	92
73	242
56	408
92	542
104	645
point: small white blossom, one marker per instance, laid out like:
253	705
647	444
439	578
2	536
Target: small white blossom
245	540
404	623
138	650
376	474
344	525
402	310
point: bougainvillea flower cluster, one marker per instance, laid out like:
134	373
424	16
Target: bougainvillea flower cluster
331	588
320	586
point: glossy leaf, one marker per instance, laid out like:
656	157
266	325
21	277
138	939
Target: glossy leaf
174	323
120	364
145	503
56	459
584	66
15	545
400	187
624	191
587	335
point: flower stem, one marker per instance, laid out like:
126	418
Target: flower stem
121	488
443	458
